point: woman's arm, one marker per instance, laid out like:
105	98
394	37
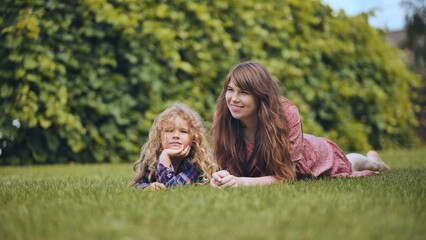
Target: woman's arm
253	181
223	179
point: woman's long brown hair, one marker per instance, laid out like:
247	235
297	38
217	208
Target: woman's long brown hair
272	149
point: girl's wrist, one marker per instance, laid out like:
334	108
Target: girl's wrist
164	159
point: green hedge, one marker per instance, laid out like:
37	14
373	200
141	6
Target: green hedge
86	78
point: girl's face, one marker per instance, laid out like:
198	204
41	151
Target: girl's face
241	103
176	133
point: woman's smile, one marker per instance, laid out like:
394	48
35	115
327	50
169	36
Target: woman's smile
236	108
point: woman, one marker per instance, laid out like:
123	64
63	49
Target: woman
258	137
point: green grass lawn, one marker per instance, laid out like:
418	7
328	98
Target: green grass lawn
94	202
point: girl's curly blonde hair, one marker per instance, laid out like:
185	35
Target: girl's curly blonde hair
200	152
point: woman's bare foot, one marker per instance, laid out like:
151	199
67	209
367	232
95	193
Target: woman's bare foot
382	166
360	162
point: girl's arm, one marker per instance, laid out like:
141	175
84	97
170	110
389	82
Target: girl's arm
141	183
166	169
167	176
223	179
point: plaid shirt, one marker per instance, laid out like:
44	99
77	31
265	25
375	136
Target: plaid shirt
186	173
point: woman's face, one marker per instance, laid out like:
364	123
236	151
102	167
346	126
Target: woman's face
176	133
241	103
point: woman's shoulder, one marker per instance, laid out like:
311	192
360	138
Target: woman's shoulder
290	111
286	104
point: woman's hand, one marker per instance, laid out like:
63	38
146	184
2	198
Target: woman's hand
216	180
223	179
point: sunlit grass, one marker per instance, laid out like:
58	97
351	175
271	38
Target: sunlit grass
94	202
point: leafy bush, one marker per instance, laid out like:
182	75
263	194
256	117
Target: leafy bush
82	81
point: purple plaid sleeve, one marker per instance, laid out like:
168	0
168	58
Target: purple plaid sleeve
142	183
187	173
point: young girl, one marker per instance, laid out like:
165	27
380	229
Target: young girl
258	137
176	152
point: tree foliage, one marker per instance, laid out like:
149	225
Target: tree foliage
415	42
416	30
84	79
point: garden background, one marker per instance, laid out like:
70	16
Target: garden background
82	81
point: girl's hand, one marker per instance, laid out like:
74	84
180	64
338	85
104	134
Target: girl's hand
180	152
170	153
223	179
155	186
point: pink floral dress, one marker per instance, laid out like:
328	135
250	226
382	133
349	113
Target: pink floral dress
313	156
